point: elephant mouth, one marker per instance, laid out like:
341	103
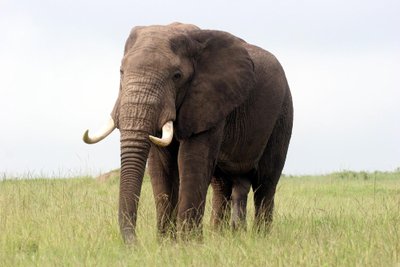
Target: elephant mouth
109	127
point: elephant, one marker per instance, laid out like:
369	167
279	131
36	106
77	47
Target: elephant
198	107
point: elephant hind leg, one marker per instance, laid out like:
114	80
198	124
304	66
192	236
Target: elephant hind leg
270	166
240	191
221	201
229	198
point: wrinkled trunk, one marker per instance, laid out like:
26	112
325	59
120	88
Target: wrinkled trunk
137	119
134	150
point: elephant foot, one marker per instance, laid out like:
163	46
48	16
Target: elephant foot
220	225
129	237
263	214
263	223
239	214
190	236
167	234
190	230
262	228
239	225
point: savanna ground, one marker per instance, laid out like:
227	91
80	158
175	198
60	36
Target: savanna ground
341	219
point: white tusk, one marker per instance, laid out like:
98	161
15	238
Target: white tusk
103	133
167	134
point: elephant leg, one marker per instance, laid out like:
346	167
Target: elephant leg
270	167
221	201
264	204
164	176
240	191
196	161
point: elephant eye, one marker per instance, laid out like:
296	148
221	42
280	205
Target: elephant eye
177	76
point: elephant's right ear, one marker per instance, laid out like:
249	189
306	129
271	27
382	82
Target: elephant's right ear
223	77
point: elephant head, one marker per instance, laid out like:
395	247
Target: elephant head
176	81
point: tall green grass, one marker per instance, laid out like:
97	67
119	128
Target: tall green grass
341	219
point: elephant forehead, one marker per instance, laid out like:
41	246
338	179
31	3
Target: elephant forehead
150	45
157	35
150	58
171	29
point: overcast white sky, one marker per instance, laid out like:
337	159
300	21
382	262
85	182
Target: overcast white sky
59	75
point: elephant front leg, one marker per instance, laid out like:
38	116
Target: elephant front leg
196	162
164	176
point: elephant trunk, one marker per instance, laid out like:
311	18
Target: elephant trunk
135	147
138	114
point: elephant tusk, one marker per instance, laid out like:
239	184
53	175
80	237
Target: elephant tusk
167	134
103	133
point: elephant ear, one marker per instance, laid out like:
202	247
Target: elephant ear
223	77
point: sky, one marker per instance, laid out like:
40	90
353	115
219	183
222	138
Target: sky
59	75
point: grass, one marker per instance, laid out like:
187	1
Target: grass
341	219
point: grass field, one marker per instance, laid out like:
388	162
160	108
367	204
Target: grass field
341	219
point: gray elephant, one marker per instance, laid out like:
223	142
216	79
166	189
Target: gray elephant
203	107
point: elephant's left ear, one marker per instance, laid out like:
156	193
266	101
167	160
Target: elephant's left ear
223	77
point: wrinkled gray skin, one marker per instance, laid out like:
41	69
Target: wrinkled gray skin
232	112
